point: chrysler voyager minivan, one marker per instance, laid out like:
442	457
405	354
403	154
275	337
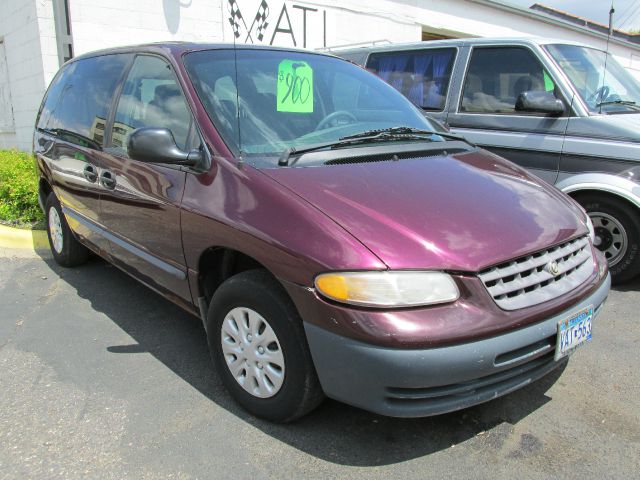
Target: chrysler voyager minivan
331	238
562	110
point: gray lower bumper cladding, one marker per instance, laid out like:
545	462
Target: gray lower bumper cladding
417	383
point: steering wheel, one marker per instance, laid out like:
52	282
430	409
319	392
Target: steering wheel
599	95
331	119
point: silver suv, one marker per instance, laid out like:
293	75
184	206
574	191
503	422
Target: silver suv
546	105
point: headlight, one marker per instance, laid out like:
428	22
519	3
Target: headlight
388	289
592	232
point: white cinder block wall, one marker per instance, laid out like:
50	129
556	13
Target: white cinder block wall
28	33
100	24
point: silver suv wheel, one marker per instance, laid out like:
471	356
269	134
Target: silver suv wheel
610	236
252	352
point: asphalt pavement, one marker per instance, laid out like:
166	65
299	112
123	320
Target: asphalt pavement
102	378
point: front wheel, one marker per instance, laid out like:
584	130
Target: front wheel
617	234
258	345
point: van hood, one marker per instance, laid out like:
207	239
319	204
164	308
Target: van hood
460	212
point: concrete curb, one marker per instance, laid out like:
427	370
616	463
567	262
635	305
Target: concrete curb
23	241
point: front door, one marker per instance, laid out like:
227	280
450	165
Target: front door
141	201
485	112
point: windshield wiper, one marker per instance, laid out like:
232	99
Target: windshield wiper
365	137
383	135
626	103
402	131
283	161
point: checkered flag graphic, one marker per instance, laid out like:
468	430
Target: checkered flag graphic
235	17
261	19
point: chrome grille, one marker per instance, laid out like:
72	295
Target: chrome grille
528	280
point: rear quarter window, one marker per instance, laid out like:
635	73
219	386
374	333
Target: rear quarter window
422	76
77	103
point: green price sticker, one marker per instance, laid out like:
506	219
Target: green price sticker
548	83
295	87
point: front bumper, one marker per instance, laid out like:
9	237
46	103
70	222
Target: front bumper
430	381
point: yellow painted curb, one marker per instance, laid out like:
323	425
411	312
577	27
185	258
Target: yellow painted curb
19	239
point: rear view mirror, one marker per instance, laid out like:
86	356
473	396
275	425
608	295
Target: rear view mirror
157	145
542	102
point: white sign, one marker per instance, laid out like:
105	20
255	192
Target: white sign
275	22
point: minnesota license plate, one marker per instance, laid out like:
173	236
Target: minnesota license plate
573	332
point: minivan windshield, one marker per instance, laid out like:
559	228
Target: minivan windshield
615	91
293	99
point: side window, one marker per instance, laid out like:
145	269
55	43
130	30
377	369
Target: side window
422	76
151	97
496	76
78	102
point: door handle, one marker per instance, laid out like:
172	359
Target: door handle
90	173
108	180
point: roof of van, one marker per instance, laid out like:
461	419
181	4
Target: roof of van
178	48
458	42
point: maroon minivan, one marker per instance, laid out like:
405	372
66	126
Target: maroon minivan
333	240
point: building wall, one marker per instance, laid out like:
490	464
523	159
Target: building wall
28	34
27	30
100	24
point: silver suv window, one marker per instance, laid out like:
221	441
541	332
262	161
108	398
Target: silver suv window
496	76
604	85
422	76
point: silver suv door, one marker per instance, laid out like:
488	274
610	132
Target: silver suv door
484	109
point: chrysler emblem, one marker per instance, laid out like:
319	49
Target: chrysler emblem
553	268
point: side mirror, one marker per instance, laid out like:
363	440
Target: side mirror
157	145
542	102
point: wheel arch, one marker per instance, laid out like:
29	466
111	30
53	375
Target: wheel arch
44	189
602	184
216	264
626	265
576	194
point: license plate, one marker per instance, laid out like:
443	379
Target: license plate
573	332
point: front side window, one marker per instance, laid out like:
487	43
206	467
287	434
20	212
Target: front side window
151	97
271	100
610	91
422	76
496	76
77	104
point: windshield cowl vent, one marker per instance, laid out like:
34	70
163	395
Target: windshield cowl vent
390	157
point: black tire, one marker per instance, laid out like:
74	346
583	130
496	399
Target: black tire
300	391
72	253
625	265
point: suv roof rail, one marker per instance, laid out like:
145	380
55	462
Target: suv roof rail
373	43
